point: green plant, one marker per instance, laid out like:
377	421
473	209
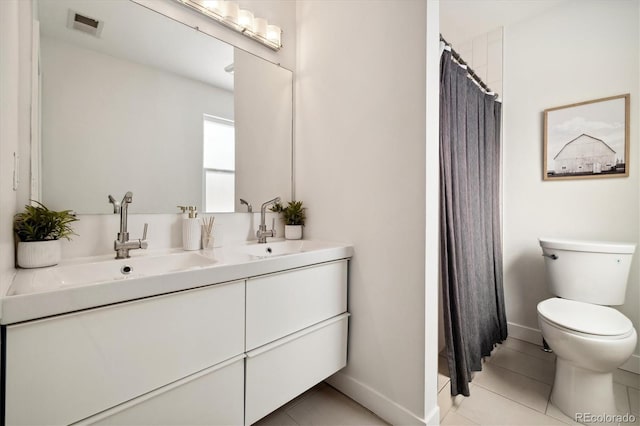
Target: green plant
38	223
292	214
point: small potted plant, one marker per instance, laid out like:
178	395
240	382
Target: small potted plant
39	231
294	216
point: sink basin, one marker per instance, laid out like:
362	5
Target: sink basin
129	268
277	248
104	270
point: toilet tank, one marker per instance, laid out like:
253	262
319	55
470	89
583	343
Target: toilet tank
587	271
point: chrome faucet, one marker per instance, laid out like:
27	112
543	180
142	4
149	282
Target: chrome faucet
122	245
262	232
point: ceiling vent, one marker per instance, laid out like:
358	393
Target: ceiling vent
80	22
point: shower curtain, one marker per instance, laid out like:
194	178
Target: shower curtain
471	249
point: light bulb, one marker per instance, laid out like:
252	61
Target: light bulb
274	34
245	19
231	11
213	5
260	27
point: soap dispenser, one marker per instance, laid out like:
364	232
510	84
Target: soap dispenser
191	228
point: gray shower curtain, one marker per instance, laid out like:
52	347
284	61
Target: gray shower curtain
471	249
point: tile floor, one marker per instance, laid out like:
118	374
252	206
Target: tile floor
512	389
322	405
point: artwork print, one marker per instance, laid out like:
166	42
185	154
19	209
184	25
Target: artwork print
587	140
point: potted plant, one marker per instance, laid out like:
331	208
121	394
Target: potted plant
39	231
294	216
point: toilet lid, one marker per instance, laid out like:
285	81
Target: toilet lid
585	317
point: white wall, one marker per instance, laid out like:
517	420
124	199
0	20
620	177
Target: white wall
432	289
578	51
483	54
360	169
15	123
264	130
9	70
99	110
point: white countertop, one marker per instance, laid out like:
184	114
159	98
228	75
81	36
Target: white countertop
28	298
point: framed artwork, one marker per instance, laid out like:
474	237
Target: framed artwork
587	140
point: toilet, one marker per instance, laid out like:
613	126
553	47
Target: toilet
589	338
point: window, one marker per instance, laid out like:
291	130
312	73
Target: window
219	164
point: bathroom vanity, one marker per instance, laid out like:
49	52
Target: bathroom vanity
226	341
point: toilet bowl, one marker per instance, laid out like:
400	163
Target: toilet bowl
590	342
589	338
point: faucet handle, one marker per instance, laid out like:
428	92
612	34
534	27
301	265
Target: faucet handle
143	240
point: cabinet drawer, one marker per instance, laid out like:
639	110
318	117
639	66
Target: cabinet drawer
212	397
280	371
73	366
283	303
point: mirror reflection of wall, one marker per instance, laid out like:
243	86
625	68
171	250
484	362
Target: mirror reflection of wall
263	111
130	111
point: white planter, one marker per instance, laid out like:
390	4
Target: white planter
38	254
293	232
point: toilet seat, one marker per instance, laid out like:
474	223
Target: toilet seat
585	318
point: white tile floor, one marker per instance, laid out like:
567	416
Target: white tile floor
322	405
512	389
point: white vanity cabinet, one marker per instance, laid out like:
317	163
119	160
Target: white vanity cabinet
222	354
296	334
282	303
63	369
278	372
214	396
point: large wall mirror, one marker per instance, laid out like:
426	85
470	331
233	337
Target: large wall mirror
146	104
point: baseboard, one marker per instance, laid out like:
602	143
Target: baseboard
382	406
632	364
433	418
533	335
522	332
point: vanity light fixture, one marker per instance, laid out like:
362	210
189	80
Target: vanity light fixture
229	14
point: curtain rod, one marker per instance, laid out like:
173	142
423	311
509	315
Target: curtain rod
461	61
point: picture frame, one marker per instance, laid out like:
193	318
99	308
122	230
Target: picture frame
587	140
